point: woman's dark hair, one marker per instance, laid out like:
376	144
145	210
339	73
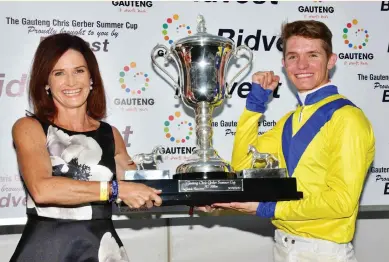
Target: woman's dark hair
46	56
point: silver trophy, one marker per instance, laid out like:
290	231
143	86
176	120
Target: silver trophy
202	61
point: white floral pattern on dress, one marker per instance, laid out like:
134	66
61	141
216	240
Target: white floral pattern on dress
109	250
64	148
77	157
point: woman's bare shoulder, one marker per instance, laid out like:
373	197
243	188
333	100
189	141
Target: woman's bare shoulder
26	126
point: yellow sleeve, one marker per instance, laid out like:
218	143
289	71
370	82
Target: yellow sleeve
352	149
247	133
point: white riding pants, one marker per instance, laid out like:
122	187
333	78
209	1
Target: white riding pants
291	248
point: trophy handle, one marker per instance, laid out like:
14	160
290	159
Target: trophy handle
167	57
240	71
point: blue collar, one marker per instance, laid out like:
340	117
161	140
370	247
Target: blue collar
319	95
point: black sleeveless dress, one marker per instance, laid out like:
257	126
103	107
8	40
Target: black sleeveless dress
74	233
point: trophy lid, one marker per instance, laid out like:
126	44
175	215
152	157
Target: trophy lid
202	37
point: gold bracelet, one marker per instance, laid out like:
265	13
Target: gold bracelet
104	191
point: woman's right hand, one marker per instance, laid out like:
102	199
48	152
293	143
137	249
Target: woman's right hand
136	195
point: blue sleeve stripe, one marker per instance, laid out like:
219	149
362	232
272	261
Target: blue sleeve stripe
257	98
266	209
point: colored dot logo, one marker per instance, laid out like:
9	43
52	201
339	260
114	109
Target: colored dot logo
131	69
353	28
175	122
168	27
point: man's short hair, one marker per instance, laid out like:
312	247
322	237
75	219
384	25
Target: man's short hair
309	29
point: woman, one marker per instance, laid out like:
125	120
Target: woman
70	159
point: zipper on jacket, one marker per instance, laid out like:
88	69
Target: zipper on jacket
301	114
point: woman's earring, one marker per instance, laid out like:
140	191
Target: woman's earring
47	88
91	83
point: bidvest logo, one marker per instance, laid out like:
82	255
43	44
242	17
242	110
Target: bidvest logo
13	87
172	28
95	46
255	42
385	6
316	11
243	89
135	84
12	200
126	135
178	130
355	37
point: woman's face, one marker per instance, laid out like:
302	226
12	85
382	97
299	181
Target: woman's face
69	81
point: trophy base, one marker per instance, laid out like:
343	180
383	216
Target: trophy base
192	189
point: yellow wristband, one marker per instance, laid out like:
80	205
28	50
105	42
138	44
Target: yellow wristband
103	191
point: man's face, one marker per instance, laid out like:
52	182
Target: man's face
307	63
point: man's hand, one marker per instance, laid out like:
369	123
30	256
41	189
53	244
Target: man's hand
245	207
206	209
266	79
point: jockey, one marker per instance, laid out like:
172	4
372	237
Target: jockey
327	144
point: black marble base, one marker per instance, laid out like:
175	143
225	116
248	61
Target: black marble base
219	187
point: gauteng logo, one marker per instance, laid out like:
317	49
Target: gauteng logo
316	11
177	129
172	27
132	80
354	36
135	84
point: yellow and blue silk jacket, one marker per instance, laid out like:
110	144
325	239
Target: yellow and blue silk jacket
327	144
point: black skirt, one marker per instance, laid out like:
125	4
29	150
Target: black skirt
62	240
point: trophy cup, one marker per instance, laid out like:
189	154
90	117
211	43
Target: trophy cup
202	61
206	178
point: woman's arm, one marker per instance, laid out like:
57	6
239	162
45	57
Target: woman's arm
122	159
139	194
35	166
